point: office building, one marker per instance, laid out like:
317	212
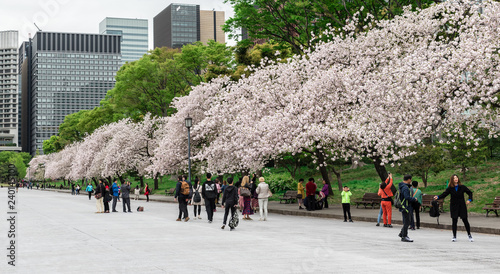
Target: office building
63	73
134	33
182	24
9	91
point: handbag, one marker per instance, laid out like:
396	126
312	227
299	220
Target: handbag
269	193
98	196
245	192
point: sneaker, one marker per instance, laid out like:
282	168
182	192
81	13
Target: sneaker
265	219
199	217
178	219
187	219
378	224
260	219
209	222
454	239
385	225
231	229
406	239
223	226
400	235
350	221
471	239
389	225
345	221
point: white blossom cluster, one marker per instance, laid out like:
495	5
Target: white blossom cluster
375	93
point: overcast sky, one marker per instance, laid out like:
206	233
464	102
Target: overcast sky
84	16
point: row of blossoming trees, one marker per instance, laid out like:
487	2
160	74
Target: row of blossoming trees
375	94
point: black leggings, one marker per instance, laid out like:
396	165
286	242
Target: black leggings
454	226
199	209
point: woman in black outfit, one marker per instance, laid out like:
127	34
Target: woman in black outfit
107	198
229	200
458	205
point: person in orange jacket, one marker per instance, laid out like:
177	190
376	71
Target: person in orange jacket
386	193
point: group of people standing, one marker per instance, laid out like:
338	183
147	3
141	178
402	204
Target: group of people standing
105	192
246	194
313	199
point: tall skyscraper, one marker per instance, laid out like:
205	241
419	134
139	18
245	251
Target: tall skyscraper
63	73
134	34
9	91
182	24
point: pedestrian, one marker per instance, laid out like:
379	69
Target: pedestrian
386	194
182	191
229	201
147	191
263	193
137	192
406	201
326	192
300	193
458	204
125	191
89	190
223	187
310	195
219	191
99	197
197	201
241	202
78	189
115	192
72	189
209	193
247	198
107	196
417	194
38	186
346	203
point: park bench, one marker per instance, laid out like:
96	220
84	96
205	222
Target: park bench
170	192
427	202
494	207
289	197
371	199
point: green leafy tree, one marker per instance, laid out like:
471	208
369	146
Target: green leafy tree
294	22
428	159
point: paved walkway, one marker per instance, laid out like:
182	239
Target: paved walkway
479	222
60	233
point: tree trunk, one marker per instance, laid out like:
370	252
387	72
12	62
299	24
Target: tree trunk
64	182
339	180
381	171
156	180
110	180
122	181
424	178
94	180
141	179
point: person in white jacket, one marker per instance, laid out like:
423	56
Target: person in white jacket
264	194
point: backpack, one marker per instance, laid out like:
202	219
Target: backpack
434	211
196	196
397	200
185	188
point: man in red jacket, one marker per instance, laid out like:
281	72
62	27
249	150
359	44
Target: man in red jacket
310	192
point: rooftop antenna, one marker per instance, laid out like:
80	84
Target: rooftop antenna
37	27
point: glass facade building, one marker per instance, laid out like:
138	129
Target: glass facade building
66	73
176	26
9	101
134	33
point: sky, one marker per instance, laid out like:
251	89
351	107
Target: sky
84	16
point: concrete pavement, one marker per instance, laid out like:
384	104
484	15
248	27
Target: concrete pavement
60	233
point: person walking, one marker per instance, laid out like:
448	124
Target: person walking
406	201
89	190
385	193
300	193
417	194
99	197
125	191
263	193
326	192
458	204
209	193
137	192
182	191
246	192
229	201
115	191
310	193
147	192
346	203
197	201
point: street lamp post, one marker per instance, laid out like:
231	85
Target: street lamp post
189	124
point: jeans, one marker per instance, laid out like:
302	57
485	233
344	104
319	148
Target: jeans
406	224
347	210
379	214
115	198
183	207
199	209
263	207
210	206
387	211
226	212
417	217
126	201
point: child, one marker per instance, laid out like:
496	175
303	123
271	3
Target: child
300	193
346	203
